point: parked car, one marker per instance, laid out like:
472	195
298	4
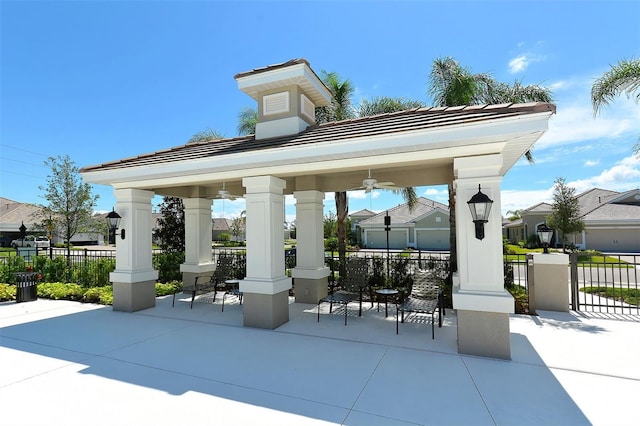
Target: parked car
31	241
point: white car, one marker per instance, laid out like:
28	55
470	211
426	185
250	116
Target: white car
31	241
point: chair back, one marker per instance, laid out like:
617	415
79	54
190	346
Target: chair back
357	274
224	268
426	285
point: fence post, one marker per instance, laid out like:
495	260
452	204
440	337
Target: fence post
531	287
573	262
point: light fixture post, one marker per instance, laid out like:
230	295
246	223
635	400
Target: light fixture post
545	234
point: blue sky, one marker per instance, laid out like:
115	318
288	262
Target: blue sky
102	80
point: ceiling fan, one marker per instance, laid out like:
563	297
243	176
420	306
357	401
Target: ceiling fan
226	195
370	183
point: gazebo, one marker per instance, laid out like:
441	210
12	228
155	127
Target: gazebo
468	146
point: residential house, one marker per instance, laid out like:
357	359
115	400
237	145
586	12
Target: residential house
612	221
424	228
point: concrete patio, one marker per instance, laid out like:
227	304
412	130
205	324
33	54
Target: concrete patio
67	363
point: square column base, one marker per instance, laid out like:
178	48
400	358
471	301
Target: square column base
310	290
132	297
484	334
268	311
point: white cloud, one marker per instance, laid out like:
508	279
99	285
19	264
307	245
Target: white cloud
623	176
574	123
518	64
361	195
512	200
591	163
522	61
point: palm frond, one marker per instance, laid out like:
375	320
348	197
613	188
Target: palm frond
624	77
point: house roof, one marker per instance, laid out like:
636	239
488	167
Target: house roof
363	212
604	205
598	204
415	147
544	208
14	213
401	215
221	224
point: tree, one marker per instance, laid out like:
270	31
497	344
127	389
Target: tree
450	84
329	225
386	105
624	77
70	201
565	216
339	109
247	120
514	215
237	226
170	229
205	136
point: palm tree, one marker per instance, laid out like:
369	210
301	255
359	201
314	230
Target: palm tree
247	120
624	77
339	109
205	135
514	215
386	105
451	84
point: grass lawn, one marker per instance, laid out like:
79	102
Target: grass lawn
584	258
630	296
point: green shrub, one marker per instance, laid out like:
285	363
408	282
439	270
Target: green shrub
8	269
7	292
331	244
61	291
102	295
168	266
164	289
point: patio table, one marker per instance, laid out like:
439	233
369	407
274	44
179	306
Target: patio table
386	292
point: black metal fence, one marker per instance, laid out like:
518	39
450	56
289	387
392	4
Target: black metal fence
608	284
597	283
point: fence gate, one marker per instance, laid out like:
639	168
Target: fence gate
607	284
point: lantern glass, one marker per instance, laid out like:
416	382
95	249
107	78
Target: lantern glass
480	206
113	220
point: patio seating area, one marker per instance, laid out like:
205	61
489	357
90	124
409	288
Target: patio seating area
76	364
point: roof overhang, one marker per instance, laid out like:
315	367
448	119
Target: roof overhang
409	158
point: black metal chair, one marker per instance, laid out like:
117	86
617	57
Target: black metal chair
214	282
354	287
426	298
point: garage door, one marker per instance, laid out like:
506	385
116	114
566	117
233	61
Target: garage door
378	239
433	239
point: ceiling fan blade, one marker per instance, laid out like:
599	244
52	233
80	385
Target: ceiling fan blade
368	189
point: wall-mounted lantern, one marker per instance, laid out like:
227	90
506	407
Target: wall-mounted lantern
480	206
113	220
545	234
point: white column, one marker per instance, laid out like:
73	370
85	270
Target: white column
197	228
310	273
479	296
134	277
266	286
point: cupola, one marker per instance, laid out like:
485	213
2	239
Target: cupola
287	96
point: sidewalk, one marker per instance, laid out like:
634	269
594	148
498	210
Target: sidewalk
68	363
